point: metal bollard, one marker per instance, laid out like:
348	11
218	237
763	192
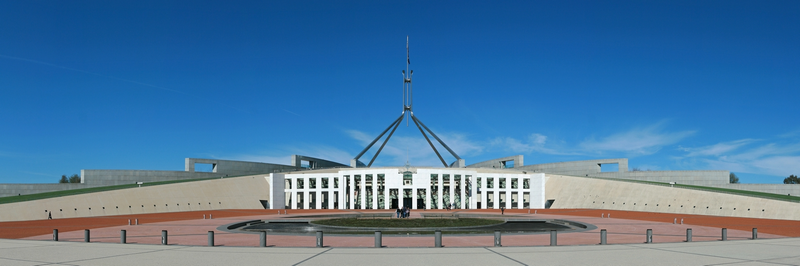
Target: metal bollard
55	234
724	234
210	238
553	237
497	235
164	237
602	215
129	221
649	236
603	236
535	211
319	239
681	220
378	239
674	221
437	238
85	235
204	216
210	216
609	215
755	233
123	235
689	235
263	241
137	221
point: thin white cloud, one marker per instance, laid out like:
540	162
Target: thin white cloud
638	141
717	149
533	143
776	158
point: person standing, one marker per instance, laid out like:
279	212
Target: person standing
49	215
502	210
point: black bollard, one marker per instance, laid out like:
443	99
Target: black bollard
378	239
724	234
755	233
553	238
649	236
164	237
122	236
603	236
210	238
497	236
85	235
689	235
319	239
55	234
263	242
437	238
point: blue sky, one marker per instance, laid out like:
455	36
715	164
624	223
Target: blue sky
671	85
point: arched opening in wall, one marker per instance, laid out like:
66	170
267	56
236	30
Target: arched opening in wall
609	167
205	167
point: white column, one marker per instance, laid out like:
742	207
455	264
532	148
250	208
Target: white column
462	183
428	193
440	192
413	198
293	199
496	194
483	192
319	198
375	192
362	193
352	188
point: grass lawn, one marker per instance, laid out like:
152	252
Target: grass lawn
748	193
54	194
407	223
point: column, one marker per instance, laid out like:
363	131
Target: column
463	196
319	196
483	192
413	198
375	191
496	194
362	193
508	194
293	199
440	192
428	193
351	193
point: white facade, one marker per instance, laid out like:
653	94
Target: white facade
417	188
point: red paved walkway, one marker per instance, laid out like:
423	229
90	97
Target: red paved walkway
188	228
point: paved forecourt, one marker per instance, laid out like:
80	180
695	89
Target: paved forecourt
740	252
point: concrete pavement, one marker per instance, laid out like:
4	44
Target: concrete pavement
740	252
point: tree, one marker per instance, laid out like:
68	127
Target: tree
792	179
63	179
75	178
734	179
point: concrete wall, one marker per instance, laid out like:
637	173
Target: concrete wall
791	189
690	177
314	163
236	168
499	162
25	189
591	168
121	177
580	192
578	168
228	193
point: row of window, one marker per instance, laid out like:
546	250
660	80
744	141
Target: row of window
312	182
